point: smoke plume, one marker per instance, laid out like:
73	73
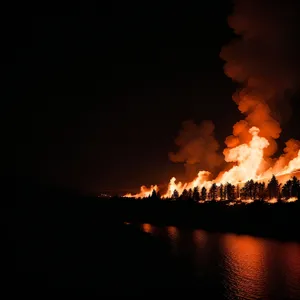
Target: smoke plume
197	147
262	60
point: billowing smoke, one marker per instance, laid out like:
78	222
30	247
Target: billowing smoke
291	151
198	148
263	60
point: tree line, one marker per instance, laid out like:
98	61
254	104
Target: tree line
251	190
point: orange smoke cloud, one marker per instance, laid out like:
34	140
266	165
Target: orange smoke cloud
198	148
258	59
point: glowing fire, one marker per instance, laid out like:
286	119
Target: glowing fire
292	199
144	192
293	165
247	201
261	87
248	158
272	201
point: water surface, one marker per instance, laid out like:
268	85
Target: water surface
234	266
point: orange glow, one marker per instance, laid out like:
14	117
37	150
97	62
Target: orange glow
200	238
292	199
292	264
144	192
247	201
248	159
172	232
243	262
292	166
147	228
265	78
272	201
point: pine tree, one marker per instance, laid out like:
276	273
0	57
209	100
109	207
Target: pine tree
273	188
255	191
190	194
262	192
221	191
175	195
185	195
248	190
295	187
154	195
287	189
196	194
213	192
226	191
230	192
203	194
238	192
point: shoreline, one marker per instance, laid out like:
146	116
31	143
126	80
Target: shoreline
277	221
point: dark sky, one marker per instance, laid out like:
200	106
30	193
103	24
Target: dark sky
98	95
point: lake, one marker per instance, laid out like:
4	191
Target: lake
233	266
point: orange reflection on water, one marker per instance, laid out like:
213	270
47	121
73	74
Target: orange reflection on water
292	264
147	228
244	266
200	238
173	236
172	233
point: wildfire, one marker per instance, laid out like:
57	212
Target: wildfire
248	201
144	192
272	201
292	199
261	87
248	158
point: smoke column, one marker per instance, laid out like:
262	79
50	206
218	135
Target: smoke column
262	60
197	148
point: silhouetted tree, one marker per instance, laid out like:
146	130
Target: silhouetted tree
230	190
185	195
262	192
287	189
255	190
190	194
196	194
158	195
238	192
248	190
295	189
175	195
221	192
203	194
225	192
273	188
213	192
154	195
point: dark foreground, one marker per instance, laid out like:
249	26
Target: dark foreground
279	221
83	242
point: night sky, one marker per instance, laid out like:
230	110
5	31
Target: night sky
98	94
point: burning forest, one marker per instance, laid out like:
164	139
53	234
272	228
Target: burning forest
261	61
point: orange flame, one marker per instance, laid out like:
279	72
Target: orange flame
144	192
248	158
